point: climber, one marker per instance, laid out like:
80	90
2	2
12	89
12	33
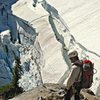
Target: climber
74	76
81	76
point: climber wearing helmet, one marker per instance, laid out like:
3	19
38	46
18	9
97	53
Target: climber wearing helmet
74	76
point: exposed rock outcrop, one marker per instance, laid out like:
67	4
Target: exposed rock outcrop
52	92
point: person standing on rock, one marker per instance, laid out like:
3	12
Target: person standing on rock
74	77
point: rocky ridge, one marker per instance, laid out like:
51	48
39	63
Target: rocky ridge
52	91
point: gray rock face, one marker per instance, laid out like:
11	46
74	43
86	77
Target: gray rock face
52	92
46	92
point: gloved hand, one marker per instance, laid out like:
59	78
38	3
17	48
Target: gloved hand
65	89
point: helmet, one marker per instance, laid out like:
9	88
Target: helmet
87	62
72	54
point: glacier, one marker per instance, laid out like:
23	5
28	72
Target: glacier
41	39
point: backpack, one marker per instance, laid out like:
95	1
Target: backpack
87	68
87	74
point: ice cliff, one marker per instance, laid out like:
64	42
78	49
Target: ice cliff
22	50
